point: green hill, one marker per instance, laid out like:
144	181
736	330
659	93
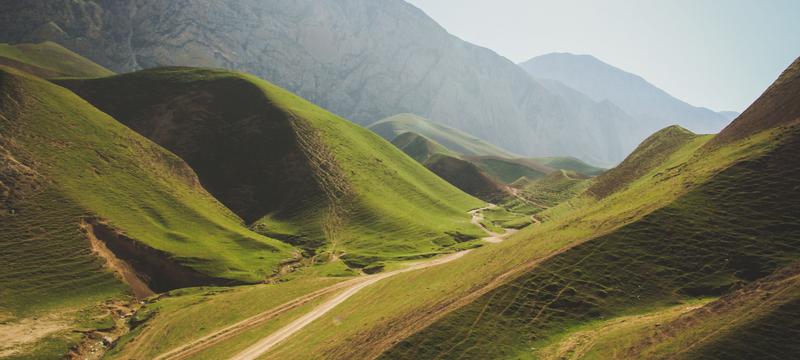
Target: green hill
49	60
508	170
289	168
651	153
66	165
450	167
690	223
571	164
453	139
419	147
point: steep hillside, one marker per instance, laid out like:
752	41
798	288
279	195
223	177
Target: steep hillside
651	107
651	153
734	221
453	139
48	60
91	213
467	177
419	147
777	106
745	324
450	167
291	169
342	55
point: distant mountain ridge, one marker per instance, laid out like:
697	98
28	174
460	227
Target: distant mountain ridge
362	59
652	107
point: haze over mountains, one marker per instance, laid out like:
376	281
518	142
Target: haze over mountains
652	107
344	56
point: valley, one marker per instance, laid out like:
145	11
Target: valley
349	180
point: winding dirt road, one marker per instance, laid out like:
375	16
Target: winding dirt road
348	289
265	344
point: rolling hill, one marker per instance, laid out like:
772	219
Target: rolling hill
694	246
290	169
453	139
48	60
92	213
450	167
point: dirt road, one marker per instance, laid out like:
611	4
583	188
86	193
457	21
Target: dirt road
477	218
265	344
348	288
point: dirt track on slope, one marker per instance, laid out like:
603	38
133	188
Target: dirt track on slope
265	344
348	289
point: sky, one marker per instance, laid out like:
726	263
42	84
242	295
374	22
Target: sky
720	54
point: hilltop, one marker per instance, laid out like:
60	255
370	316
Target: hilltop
48	60
290	169
92	212
453	139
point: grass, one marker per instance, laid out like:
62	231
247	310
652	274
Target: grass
319	181
380	315
753	322
694	247
186	315
419	147
507	170
84	163
453	139
570	164
49	59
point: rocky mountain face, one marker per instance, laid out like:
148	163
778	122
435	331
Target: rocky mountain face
652	107
362	59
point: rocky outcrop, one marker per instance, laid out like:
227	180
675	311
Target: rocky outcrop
362	59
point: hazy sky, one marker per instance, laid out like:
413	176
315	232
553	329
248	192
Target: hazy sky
719	54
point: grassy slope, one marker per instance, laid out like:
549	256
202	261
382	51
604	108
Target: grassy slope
85	163
694	247
570	164
507	171
652	152
419	147
758	321
450	167
49	59
360	196
452	139
376	318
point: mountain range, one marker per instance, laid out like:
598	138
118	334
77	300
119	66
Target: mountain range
345	57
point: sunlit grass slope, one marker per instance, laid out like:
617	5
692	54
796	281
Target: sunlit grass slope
735	220
450	167
63	161
49	59
738	227
440	314
292	169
